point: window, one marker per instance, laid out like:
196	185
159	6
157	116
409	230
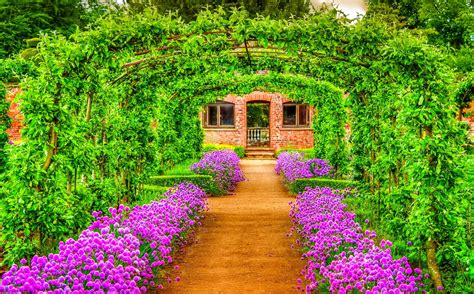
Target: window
219	114
295	115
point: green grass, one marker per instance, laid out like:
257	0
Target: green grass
181	169
150	193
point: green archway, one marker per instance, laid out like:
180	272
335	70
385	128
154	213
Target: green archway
324	96
91	107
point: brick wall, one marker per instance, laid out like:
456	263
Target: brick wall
16	116
279	136
470	120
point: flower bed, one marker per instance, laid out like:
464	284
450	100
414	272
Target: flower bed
292	166
120	252
341	258
223	166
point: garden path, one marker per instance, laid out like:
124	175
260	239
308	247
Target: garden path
242	246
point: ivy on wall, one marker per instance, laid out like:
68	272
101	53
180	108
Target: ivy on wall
4	124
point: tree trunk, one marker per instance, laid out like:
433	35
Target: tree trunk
89	106
431	244
433	265
53	136
53	141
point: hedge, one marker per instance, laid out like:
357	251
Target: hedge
204	181
308	152
239	150
299	185
156	188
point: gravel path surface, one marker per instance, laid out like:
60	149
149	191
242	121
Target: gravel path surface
242	246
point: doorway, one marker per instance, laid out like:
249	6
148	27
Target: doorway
258	124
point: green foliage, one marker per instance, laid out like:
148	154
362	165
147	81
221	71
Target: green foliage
181	169
204	181
14	70
309	153
450	21
328	125
150	193
26	19
258	114
4	124
463	59
190	9
88	146
464	94
404	146
239	150
299	185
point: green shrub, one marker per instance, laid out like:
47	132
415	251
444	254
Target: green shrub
181	169
150	193
300	185
204	181
308	152
239	150
4	124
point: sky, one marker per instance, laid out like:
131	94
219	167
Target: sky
349	7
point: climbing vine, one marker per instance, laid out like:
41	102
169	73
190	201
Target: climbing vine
111	105
4	124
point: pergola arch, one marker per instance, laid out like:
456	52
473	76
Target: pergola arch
324	96
112	79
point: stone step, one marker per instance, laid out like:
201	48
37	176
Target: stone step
254	154
265	149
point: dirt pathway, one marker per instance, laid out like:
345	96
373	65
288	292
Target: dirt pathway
242	245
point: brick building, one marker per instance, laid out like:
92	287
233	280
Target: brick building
15	115
225	122
470	119
289	124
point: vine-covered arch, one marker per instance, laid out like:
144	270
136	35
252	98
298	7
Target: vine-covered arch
324	96
111	105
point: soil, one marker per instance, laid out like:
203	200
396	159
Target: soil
242	245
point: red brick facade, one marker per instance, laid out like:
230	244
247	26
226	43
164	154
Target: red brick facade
470	120
16	116
279	136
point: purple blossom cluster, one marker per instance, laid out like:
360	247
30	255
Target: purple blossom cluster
223	166
342	257
120	252
293	166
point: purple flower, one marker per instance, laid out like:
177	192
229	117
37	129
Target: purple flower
340	254
223	166
293	166
119	252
